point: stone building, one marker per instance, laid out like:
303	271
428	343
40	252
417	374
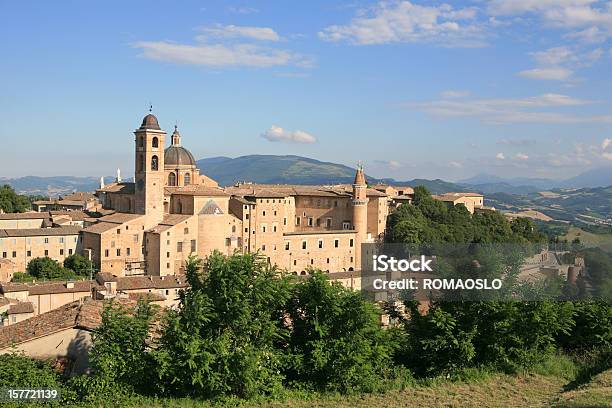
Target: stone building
171	211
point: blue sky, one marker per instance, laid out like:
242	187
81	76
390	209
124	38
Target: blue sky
412	89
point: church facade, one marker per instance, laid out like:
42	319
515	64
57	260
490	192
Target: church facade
171	211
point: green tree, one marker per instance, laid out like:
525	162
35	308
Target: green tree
49	269
78	264
11	202
336	341
223	339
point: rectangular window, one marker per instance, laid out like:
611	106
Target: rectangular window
297	220
346	225
46	252
118	251
318	222
303	244
320	243
287	246
179	247
70	251
61	240
167	254
106	253
336	243
328	222
14	254
4	254
285	221
61	252
186	231
263	247
193	245
351	242
128	251
310	221
46	240
29	253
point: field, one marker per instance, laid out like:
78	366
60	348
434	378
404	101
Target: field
530	390
589	239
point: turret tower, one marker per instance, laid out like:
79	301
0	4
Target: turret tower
360	212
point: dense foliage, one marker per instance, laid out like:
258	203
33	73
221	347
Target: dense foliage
11	202
75	267
431	221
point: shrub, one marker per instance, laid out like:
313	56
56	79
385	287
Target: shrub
336	342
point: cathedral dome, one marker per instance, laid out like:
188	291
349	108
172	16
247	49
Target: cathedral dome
150	122
178	156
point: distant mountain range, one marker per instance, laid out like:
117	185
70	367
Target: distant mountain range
273	169
598	177
270	169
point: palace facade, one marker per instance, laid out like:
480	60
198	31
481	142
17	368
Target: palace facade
171	211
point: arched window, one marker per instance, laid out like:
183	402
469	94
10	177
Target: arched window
172	179
187	178
155	142
154	163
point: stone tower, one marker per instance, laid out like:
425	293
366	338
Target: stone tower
360	213
149	170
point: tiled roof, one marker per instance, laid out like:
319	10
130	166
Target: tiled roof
146	296
82	314
151	282
120	218
122	188
197	190
41	232
45	288
100	227
32	215
21	307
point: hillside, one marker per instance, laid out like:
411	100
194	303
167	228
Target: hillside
582	207
51	186
272	169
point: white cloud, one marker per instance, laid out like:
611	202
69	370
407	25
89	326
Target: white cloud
233	31
591	35
521	156
278	134
455	165
451	94
403	21
516	142
559	63
243	10
593	16
394	164
549	74
534	109
220	55
500	156
606	142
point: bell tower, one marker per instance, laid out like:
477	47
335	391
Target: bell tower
149	170
360	212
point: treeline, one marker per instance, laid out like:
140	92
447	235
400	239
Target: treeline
431	221
11	202
244	330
